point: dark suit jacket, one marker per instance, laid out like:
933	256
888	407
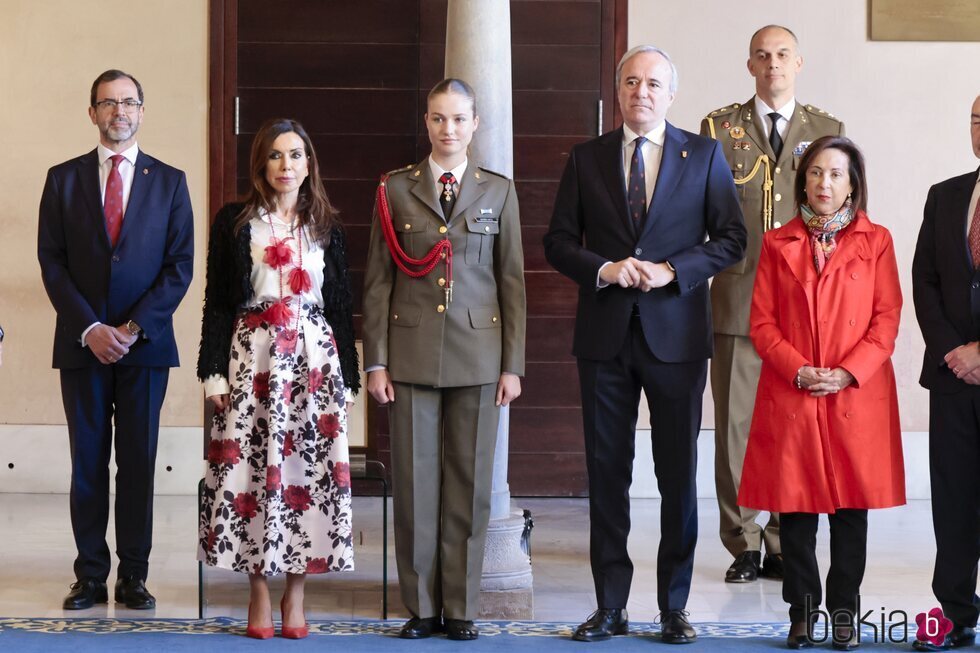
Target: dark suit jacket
143	278
694	199
945	285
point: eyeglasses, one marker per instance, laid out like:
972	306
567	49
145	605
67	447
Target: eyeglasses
129	104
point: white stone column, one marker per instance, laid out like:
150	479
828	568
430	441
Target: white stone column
478	51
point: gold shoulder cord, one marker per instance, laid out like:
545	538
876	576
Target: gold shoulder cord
766	182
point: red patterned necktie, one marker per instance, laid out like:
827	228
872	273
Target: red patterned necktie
974	238
113	204
447	198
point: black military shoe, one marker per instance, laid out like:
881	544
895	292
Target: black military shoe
772	566
745	569
602	625
959	637
133	593
85	593
461	630
420	627
675	628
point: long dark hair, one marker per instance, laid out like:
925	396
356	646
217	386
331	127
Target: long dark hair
313	207
858	179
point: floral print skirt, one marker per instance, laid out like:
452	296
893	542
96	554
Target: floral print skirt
277	495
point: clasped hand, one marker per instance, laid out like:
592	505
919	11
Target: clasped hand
822	381
634	273
964	362
109	344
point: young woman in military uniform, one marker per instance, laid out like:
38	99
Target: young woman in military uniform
444	322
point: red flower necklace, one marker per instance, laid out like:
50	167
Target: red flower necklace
277	256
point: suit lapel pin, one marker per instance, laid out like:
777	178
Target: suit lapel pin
683	154
146	171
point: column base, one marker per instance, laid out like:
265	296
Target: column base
507	585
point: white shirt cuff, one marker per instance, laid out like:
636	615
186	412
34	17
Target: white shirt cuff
599	283
374	368
85	332
348	396
216	384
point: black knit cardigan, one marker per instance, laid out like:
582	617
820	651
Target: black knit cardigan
229	289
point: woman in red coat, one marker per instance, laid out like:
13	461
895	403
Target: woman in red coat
825	435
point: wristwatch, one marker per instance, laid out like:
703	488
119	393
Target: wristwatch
133	328
1	334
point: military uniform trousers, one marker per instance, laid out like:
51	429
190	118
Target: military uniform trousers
442	447
735	369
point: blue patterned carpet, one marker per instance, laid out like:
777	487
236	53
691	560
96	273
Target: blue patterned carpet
225	634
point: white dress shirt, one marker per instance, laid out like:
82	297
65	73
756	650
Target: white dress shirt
126	170
782	123
456	172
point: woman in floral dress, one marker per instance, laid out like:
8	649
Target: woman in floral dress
278	362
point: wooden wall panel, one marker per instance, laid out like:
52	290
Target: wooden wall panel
343	65
318	21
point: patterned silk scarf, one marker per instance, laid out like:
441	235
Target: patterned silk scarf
823	232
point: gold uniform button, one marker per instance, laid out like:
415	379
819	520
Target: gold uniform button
407	226
778	197
486	229
440	308
441	282
777	224
443	229
494	319
778	170
738	166
395	316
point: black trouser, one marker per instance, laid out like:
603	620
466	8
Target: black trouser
954	468
610	398
848	554
94	398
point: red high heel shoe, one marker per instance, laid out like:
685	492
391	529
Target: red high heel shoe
258	633
288	631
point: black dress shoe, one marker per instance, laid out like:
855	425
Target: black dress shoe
132	591
745	569
602	625
772	566
846	638
676	629
799	637
958	637
420	627
85	593
461	630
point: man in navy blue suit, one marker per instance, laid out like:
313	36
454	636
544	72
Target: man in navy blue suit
946	290
116	248
644	216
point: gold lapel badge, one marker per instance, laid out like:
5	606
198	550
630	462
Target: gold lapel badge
683	154
737	132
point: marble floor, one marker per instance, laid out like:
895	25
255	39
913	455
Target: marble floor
36	553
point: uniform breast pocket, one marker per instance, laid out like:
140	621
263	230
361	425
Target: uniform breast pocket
411	232
481	231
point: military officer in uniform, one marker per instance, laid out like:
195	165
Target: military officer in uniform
763	140
444	324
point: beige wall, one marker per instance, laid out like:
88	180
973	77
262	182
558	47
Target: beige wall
907	105
50	52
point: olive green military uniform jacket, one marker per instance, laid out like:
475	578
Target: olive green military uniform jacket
743	140
409	326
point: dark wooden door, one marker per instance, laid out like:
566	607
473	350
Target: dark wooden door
356	75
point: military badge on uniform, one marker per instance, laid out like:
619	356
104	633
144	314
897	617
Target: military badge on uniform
736	132
726	125
801	148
